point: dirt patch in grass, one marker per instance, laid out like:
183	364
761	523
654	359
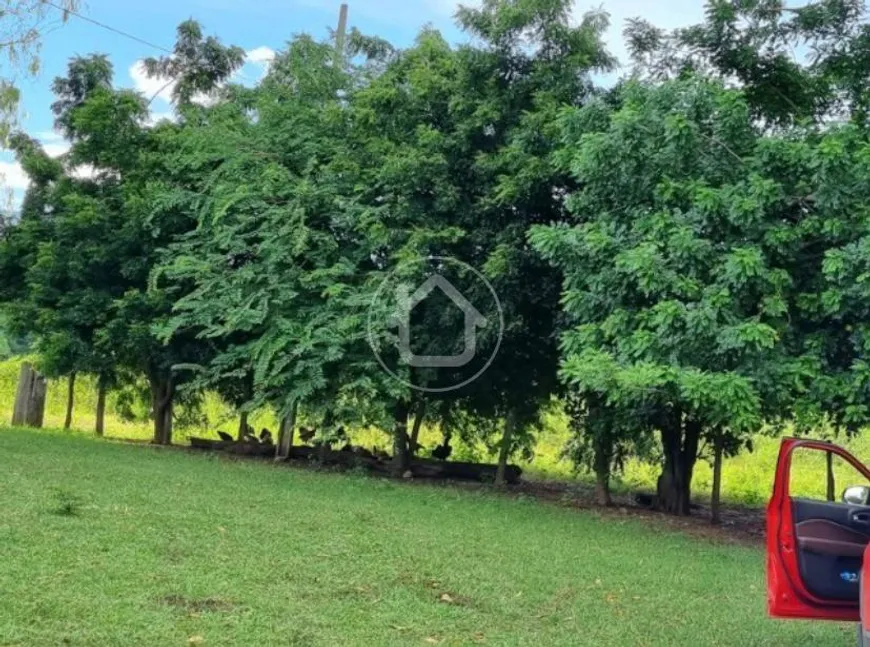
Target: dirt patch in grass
434	589
740	524
193	606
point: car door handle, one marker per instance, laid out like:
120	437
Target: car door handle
862	518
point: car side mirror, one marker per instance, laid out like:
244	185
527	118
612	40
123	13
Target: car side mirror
857	495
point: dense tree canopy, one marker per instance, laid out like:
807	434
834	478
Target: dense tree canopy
680	259
677	302
407	154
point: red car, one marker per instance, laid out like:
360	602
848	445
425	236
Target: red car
816	546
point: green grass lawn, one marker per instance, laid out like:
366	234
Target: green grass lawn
111	544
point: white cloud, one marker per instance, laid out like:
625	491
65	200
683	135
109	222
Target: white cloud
205	100
158	90
55	148
156	117
157	87
260	60
260	56
83	172
13	176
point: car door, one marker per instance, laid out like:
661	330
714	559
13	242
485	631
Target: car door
815	545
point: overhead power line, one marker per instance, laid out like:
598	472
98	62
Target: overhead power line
108	27
123	33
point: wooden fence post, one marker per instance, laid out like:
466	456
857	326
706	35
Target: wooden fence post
29	408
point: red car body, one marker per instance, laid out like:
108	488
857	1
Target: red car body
816	549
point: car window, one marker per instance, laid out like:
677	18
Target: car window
813	477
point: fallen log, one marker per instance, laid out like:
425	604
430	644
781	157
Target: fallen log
259	450
420	468
463	471
262	450
206	443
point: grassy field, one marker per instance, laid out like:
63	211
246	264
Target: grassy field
112	544
746	479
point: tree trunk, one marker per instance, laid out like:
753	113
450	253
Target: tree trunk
832	486
602	460
166	417
243	426
100	426
680	447
29	408
70	401
716	496
401	455
285	435
505	451
169	413
418	424
162	397
599	425
243	416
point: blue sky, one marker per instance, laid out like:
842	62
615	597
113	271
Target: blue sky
260	27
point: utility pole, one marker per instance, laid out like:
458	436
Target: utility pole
340	36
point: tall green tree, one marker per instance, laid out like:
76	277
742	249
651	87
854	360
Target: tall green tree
458	143
273	263
198	66
94	227
795	62
49	271
398	156
679	268
201	65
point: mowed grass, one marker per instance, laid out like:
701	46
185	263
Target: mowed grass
111	544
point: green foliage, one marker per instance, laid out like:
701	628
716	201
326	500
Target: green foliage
76	268
77	252
706	275
684	255
197	64
803	63
673	291
10	344
273	262
321	181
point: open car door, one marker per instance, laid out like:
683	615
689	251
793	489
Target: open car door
815	546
